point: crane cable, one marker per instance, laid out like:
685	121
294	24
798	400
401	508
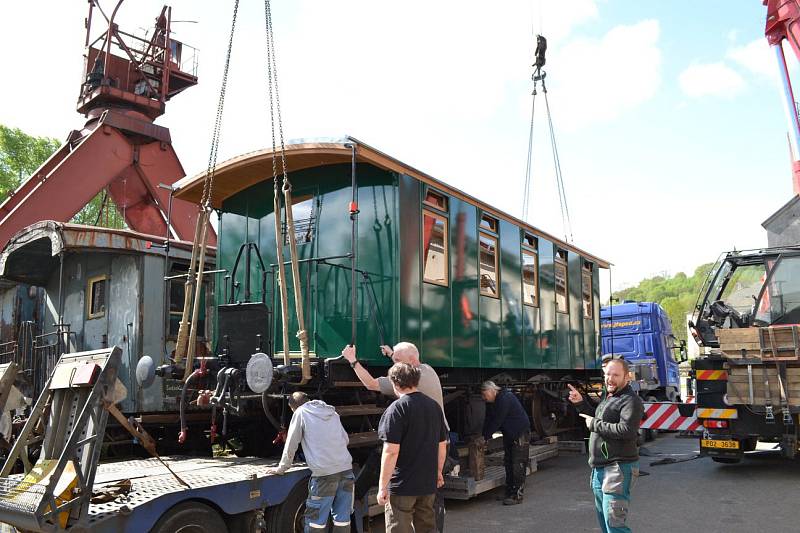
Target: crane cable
538	77
275	114
187	334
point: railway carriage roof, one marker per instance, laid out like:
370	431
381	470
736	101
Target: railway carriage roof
240	172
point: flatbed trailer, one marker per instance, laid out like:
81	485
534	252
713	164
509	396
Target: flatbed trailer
237	489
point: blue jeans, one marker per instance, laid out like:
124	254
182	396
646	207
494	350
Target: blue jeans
612	486
330	496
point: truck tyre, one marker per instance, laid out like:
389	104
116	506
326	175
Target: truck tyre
288	516
190	517
727	460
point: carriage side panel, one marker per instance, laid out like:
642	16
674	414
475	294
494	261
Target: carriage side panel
513	324
464	275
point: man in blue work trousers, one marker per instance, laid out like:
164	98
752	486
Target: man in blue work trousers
316	426
613	448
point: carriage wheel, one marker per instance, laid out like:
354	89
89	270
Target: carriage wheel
546	414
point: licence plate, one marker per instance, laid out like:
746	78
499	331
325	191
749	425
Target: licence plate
725	444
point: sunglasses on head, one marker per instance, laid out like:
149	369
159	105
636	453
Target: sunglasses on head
612	357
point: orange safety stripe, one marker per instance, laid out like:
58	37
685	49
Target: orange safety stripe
716	413
712	375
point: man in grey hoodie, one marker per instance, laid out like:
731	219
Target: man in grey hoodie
316	426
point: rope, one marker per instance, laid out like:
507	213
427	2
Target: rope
562	194
275	115
526	195
187	333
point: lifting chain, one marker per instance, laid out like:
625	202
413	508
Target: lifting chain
187	332
275	115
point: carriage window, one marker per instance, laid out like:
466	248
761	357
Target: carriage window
434	251
561	282
530	241
96	296
586	278
488	222
530	277
303	216
435	199
488	262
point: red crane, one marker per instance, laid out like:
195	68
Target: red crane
783	19
127	82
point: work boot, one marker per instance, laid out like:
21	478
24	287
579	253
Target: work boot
511	500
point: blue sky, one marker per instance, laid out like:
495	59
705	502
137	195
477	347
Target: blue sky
669	123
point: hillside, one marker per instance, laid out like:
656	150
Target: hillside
676	294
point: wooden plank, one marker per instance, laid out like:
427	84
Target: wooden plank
358	410
366	438
737	335
745	400
771	370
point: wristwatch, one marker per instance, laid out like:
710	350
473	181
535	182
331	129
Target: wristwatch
354	363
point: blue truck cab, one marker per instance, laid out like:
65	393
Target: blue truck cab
642	333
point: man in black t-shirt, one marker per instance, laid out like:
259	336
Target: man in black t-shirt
414	448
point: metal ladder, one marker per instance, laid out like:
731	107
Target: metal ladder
72	411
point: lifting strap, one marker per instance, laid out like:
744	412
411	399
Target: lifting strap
187	332
275	116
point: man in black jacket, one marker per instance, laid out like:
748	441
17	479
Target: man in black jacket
613	449
506	414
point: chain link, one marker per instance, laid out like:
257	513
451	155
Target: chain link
208	183
274	102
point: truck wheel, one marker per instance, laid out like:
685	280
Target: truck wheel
727	460
190	517
288	516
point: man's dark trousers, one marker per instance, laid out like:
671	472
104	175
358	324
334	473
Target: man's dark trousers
516	457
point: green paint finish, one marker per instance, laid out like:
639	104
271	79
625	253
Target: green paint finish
547	306
409	262
575	330
453	325
513	324
464	280
327	289
590	325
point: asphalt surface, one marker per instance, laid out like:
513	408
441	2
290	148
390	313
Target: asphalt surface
760	494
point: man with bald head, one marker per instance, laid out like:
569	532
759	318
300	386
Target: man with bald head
429	385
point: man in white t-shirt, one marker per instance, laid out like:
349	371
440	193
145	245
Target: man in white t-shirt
429	385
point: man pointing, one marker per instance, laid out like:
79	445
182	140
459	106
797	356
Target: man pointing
613	449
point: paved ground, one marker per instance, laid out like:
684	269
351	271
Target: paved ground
761	494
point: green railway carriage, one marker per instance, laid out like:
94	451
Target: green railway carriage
481	293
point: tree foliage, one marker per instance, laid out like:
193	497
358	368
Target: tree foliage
676	294
21	154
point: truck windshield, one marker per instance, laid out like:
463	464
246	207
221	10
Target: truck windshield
780	300
743	287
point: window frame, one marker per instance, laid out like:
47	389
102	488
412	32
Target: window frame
496	239
434	192
437	216
561	259
531	252
491	223
90	286
312	220
587	273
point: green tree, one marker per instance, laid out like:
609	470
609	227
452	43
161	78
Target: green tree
21	154
676	294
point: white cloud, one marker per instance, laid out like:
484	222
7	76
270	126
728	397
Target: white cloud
597	80
755	57
710	79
